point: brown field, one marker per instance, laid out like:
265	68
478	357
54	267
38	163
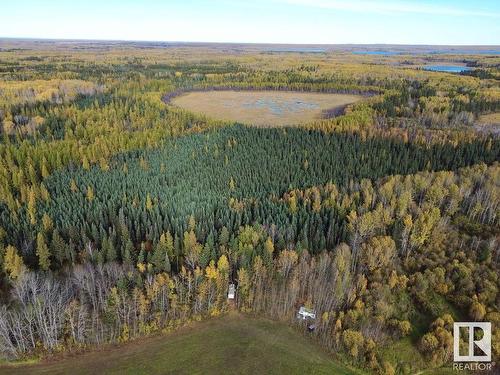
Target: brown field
489	123
263	108
490	119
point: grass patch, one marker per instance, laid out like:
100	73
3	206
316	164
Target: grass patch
404	356
232	344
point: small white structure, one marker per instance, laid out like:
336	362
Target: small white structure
231	292
305	313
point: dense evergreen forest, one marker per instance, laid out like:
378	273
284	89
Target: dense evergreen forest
122	215
225	178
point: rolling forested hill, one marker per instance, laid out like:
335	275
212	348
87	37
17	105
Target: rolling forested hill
123	215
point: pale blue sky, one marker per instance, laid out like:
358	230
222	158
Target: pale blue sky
269	21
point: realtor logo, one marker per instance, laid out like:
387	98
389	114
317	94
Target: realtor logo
469	331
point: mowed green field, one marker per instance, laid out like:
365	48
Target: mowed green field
231	344
263	108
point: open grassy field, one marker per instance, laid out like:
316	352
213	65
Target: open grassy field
232	344
263	108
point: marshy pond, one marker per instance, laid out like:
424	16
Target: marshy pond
264	108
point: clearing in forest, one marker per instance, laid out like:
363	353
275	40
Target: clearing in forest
231	344
264	108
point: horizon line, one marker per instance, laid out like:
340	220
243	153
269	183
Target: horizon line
50	39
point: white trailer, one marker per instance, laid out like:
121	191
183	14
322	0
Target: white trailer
305	313
232	291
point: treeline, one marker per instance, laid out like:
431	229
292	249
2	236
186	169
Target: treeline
96	304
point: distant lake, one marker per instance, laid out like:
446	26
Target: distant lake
447	68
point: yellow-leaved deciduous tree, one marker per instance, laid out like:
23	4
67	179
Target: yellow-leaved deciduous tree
313	195
32	206
44	193
211	289
73	186
423	226
103	164
248	239
353	341
149	202
44	170
191	223
223	266
141	267
377	253
342	261
316	206
13	264
47	223
211	271
269	246
90	193
268	250
31	171
143	304
438	343
85	163
42	251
